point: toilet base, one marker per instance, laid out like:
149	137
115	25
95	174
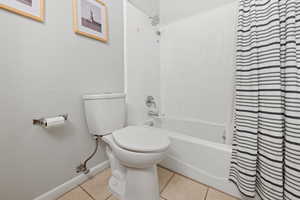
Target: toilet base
139	184
133	183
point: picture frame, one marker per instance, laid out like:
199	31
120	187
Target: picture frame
34	9
90	19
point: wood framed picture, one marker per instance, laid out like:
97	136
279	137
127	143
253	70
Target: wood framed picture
33	9
90	19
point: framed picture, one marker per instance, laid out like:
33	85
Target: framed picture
90	19
33	9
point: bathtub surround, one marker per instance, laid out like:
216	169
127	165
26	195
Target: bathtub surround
176	10
148	7
142	64
178	70
266	145
44	71
197	64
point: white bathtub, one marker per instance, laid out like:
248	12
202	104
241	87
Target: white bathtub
198	151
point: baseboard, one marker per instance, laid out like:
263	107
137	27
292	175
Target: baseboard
74	182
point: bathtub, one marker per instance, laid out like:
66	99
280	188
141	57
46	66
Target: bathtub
199	151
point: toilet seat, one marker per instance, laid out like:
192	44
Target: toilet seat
133	159
142	139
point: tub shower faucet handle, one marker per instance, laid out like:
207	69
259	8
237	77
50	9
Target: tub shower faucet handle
150	102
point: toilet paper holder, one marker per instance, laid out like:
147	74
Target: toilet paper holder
43	122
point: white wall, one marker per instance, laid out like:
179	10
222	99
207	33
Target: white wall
197	61
142	64
44	70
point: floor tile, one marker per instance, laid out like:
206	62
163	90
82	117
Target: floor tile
181	188
175	187
164	176
97	187
216	195
75	194
114	198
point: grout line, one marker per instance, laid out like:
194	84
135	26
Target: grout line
66	193
224	193
160	166
167	183
207	189
206	185
191	179
109	196
87	192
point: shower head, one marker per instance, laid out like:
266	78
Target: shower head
155	20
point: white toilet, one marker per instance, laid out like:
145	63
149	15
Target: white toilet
133	151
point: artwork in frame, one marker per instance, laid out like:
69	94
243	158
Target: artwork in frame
90	19
33	9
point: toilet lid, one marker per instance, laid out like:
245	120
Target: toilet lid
142	139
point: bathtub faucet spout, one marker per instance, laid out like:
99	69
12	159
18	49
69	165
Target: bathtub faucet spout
152	113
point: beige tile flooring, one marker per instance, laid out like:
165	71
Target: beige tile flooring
172	186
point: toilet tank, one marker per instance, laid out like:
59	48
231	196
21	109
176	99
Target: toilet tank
104	113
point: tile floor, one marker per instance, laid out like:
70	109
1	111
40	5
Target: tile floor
172	186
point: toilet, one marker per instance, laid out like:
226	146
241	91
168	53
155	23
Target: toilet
133	151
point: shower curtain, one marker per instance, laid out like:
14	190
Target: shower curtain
266	143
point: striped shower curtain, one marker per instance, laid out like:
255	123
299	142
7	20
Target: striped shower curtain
266	144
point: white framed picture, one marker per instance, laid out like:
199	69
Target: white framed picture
90	19
33	9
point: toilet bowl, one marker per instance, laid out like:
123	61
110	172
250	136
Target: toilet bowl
134	172
133	151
